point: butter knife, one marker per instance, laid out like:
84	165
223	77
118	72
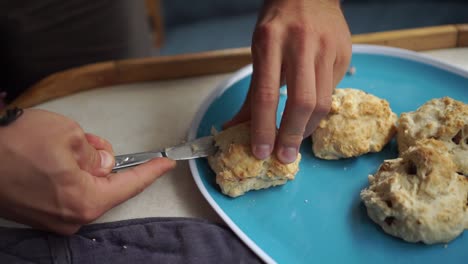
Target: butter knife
198	148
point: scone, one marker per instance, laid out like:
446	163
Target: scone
419	196
444	119
238	171
357	123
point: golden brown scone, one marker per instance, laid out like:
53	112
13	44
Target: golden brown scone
419	196
444	119
358	123
238	171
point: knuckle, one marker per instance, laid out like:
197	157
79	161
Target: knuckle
326	42
323	107
264	35
74	127
301	32
76	135
304	104
266	31
293	137
300	29
266	95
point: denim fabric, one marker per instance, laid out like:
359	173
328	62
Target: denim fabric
148	240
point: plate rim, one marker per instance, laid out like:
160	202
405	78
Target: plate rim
244	72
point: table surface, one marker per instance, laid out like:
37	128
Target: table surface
145	116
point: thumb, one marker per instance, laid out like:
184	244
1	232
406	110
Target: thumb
123	185
97	162
95	155
105	164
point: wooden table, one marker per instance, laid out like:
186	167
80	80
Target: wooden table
146	104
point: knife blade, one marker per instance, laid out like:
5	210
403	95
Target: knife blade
198	148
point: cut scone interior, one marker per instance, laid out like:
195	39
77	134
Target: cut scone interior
419	197
444	119
358	123
238	171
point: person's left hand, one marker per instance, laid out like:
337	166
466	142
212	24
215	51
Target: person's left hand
56	177
307	44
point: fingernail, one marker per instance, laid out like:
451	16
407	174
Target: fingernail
287	155
107	160
262	151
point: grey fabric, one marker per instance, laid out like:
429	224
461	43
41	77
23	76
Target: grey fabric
148	240
40	37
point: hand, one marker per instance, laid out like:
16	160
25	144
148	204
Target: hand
307	44
55	177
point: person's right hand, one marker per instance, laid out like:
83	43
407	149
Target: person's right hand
305	44
55	177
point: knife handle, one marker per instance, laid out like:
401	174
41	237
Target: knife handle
129	160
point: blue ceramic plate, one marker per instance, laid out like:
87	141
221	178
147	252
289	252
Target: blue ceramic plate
318	217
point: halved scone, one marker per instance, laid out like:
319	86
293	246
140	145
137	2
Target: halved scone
238	171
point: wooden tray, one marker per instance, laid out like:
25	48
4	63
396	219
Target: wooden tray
214	62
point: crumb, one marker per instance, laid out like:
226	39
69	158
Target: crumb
195	148
124	246
445	246
94	239
306	201
214	131
351	71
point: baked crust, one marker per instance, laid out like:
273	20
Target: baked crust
238	171
444	119
419	197
357	123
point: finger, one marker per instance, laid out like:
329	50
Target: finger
300	104
244	114
97	162
104	162
99	143
121	186
266	54
324	87
342	61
